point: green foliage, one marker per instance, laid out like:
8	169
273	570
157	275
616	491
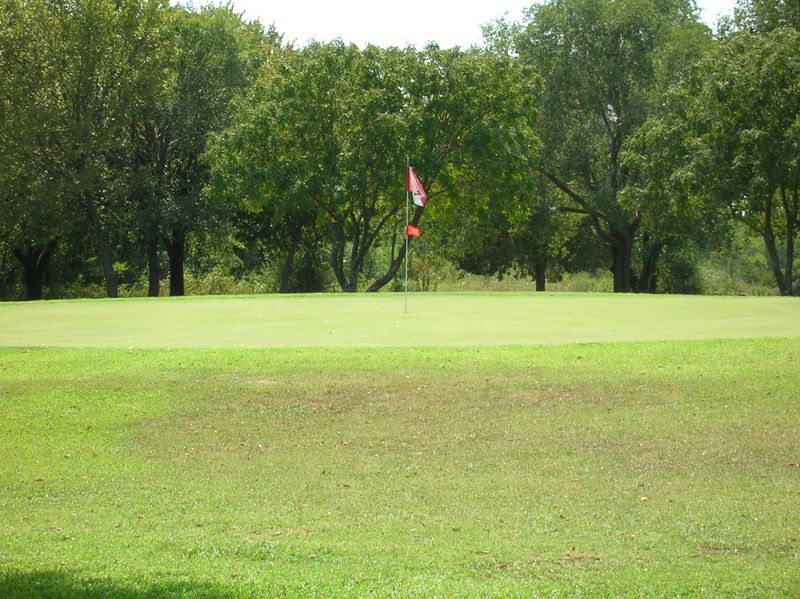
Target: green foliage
746	138
321	142
105	109
679	223
216	57
32	162
531	243
602	64
738	268
761	16
79	72
592	134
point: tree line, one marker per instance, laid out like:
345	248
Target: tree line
138	138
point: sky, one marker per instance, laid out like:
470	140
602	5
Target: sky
400	22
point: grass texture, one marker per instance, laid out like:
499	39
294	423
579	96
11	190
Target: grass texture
379	320
664	466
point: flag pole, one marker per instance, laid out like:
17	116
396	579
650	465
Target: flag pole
405	232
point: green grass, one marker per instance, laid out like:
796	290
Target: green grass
658	467
378	320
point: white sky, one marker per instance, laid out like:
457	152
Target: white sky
400	22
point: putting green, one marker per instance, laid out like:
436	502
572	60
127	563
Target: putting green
433	319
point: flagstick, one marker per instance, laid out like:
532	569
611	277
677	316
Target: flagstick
405	231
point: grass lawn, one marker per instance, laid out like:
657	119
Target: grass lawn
378	320
332	446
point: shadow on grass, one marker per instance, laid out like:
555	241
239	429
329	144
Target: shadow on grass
17	584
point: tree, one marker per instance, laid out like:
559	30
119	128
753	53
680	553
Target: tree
318	143
116	98
215	57
746	126
267	166
763	16
368	135
678	219
530	241
115	56
470	132
35	215
597	59
322	140
276	160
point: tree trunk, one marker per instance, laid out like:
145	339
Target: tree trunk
539	270
34	262
355	267
153	268
788	275
105	254
774	261
772	251
790	211
107	264
646	282
347	278
356	255
176	248
288	264
621	253
337	255
621	268
395	265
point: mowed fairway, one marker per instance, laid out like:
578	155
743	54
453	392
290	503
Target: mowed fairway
482	445
379	320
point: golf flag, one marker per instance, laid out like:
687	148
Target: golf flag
415	188
412	231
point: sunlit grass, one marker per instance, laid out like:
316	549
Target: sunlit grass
379	320
644	469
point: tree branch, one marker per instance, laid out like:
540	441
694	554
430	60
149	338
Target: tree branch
595	215
558	183
571	210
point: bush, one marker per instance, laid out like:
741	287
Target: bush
680	275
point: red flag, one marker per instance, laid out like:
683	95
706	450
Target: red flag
415	188
412	231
